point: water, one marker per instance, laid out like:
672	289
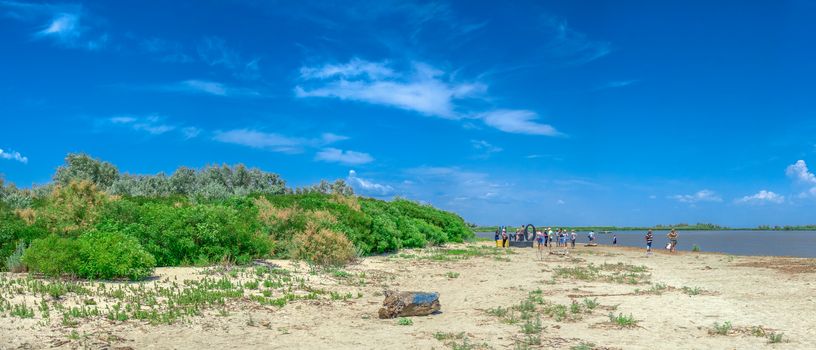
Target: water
776	243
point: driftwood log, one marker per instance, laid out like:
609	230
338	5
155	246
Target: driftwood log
401	304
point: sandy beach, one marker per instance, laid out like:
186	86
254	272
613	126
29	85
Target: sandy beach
491	299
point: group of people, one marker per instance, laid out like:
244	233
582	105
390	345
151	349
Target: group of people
565	238
671	246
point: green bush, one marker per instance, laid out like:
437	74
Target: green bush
94	255
108	255
14	230
53	256
185	234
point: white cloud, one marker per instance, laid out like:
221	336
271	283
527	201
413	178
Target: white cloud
700	196
335	155
762	197
518	122
152	124
205	87
332	138
274	142
800	173
12	155
64	25
425	89
262	140
362	185
190	132
61	23
354	68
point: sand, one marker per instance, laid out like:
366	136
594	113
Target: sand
777	294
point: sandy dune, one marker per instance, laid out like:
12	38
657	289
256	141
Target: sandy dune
771	294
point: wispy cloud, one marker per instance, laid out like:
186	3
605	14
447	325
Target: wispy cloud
262	140
355	68
13	155
424	89
615	84
518	122
152	124
206	87
215	52
700	196
569	45
335	155
761	197
366	186
165	50
455	184
486	148
273	141
63	24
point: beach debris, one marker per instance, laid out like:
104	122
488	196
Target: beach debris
403	304
591	245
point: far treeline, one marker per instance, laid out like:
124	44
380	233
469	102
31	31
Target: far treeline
681	226
93	222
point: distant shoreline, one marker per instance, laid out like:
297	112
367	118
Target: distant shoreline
656	228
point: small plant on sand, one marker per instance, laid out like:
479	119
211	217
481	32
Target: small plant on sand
591	304
22	311
575	307
532	327
404	321
452	274
695	248
722	329
758	331
774	337
658	288
498	311
692	291
623	320
583	346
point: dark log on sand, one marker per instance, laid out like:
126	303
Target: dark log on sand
401	304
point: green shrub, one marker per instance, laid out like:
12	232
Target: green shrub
94	255
184	234
108	255
71	208
323	247
53	256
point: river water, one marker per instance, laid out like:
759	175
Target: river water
776	243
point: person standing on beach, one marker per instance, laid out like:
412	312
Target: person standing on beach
649	240
550	236
572	238
614	239
504	237
673	240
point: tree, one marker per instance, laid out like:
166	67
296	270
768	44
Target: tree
80	166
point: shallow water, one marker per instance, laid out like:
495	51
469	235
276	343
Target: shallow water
776	243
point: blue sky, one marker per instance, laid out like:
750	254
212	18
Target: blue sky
564	113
